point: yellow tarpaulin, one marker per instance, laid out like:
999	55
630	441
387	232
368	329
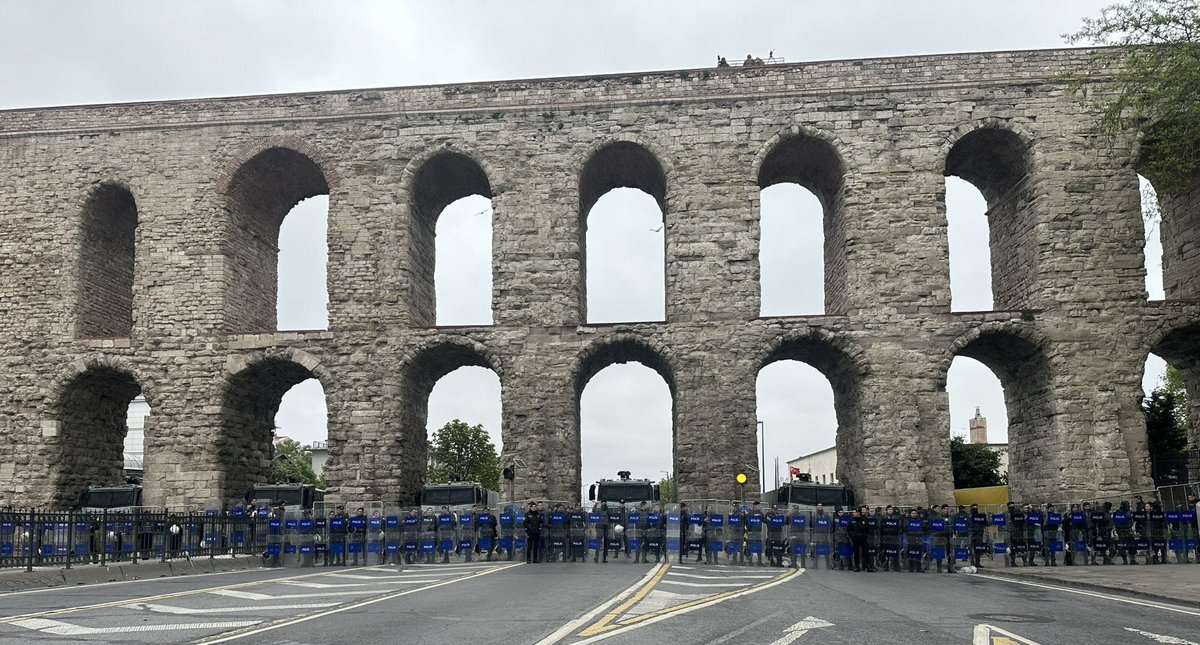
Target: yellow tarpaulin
984	496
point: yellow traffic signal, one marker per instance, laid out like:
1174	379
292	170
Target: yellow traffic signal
741	478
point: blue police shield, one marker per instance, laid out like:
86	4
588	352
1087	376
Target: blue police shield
1053	532
633	531
822	528
695	532
1000	521
734	533
937	544
716	532
798	532
466	532
962	537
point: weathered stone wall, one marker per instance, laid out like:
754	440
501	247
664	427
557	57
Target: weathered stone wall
212	180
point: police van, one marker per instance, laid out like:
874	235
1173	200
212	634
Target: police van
110	499
808	494
457	495
624	489
294	497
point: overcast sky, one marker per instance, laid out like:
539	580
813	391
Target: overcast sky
59	53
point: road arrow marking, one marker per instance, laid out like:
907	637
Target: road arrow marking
801	628
1160	638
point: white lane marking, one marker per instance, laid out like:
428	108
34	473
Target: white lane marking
982	635
747	577
1084	592
351	576
665	581
799	629
140	581
67	629
566	629
251	595
1161	638
742	630
661	617
171	609
659	599
342	585
358	605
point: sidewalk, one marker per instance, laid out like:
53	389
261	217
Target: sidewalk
18	579
1177	584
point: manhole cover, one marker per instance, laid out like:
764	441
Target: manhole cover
1011	618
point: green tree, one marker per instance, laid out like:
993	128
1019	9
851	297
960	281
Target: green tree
293	463
463	452
1157	62
666	490
975	465
1167	428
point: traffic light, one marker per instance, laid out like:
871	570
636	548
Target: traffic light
508	473
741	478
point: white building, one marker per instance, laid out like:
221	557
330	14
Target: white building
135	436
822	465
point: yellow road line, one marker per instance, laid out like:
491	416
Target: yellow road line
699	601
601	625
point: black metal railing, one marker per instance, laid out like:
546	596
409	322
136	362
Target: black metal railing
38	538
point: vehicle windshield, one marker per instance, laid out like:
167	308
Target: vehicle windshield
109	498
448	496
628	491
812	495
287	496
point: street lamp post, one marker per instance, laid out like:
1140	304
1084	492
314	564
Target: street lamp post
762	464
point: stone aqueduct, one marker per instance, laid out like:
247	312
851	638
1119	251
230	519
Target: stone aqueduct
138	252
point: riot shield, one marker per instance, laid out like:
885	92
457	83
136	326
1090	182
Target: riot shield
1018	549
1053	538
821	534
777	537
339	539
487	533
798	537
1158	535
631	533
939	540
1075	536
447	534
735	534
1001	536
694	533
1141	534
673	538
597	532
410	535
466	535
507	519
376	539
843	550
393	537
556	534
577	527
959	549
429	536
273	549
889	540
1035	522
624	539
306	540
756	537
654	534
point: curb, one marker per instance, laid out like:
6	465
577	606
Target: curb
1091	586
18	581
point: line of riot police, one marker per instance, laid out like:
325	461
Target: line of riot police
733	533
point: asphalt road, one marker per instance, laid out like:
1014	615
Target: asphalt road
500	603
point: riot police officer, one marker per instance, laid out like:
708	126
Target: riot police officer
858	532
822	534
1074	535
1032	533
1101	532
1158	533
939	532
533	534
577	525
615	516
889	538
487	533
979	525
1016	535
775	537
1124	523
914	541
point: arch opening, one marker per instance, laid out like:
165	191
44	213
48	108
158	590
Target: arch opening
810	380
107	242
791	252
440	188
1024	374
92	426
814	165
967	236
798	418
1178	350
622	194
978	412
302	418
624	415
1152	248
253	399
998	162
261	194
422	406
463	269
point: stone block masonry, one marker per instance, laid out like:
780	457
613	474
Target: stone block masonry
138	249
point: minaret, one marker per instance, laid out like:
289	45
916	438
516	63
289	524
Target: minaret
978	428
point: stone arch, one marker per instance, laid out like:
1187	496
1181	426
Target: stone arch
1017	354
252	389
1179	346
105	267
811	159
266	183
435	179
625	162
419	372
84	425
614	349
844	364
999	161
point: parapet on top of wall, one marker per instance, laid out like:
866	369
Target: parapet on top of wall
932	71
